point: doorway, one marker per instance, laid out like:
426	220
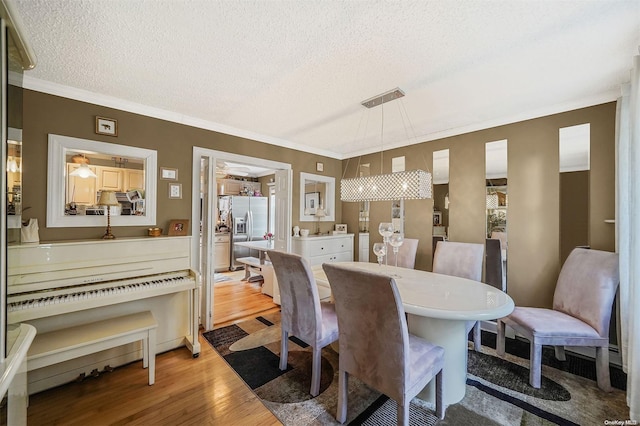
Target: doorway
204	213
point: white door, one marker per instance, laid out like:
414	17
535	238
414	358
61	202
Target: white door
283	196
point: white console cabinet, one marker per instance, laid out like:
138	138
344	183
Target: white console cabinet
320	249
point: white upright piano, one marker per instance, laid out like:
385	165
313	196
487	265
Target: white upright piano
59	285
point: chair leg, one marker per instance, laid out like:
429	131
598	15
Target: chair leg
477	337
602	368
315	371
559	350
403	413
440	409
343	385
535	364
284	349
500	339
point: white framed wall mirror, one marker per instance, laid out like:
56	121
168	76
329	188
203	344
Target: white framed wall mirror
317	191
79	169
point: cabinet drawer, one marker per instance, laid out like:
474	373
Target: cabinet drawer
344	256
328	246
221	239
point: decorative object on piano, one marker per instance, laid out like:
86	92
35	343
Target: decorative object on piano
175	190
304	232
154	232
341	228
29	231
178	227
108	199
106	126
296	231
168	174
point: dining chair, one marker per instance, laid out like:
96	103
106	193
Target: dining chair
462	260
407	253
302	313
434	241
502	236
375	345
494	272
580	314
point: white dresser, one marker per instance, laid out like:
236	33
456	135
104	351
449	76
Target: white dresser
320	249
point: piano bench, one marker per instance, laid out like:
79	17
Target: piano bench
73	342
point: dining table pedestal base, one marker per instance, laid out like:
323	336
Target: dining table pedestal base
452	336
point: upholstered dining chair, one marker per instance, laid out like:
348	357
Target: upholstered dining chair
406	254
494	267
580	315
302	313
375	345
462	260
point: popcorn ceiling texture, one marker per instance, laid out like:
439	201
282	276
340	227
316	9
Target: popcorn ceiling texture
294	72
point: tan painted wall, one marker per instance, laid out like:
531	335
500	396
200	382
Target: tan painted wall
44	114
533	186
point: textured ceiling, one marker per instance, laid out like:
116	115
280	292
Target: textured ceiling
294	72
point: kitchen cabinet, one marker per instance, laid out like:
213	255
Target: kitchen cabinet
221	252
110	179
237	187
82	191
133	179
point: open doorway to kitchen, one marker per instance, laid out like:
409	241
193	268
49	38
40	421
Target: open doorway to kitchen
221	181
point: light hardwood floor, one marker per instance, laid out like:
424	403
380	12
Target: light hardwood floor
201	391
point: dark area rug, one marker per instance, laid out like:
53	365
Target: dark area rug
498	392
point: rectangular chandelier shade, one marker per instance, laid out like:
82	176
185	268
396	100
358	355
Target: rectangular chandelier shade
407	185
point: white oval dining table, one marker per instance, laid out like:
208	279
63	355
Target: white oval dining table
438	307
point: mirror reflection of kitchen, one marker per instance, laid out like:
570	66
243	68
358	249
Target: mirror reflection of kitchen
14	187
88	174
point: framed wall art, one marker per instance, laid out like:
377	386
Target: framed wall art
311	202
106	126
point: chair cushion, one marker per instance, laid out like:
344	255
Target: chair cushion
549	323
424	358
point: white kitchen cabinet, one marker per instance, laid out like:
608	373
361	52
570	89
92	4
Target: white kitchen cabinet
221	252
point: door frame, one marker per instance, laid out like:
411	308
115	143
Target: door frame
205	277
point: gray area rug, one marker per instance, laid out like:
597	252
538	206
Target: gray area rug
497	392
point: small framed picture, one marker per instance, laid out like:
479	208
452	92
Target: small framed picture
168	174
341	228
311	202
319	167
437	218
175	190
106	126
178	227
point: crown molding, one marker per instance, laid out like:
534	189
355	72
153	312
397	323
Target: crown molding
81	95
56	89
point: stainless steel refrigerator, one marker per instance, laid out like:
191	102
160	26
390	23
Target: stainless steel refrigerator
249	222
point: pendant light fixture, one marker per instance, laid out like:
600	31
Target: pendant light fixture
405	185
83	171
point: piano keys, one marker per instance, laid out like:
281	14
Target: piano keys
59	285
